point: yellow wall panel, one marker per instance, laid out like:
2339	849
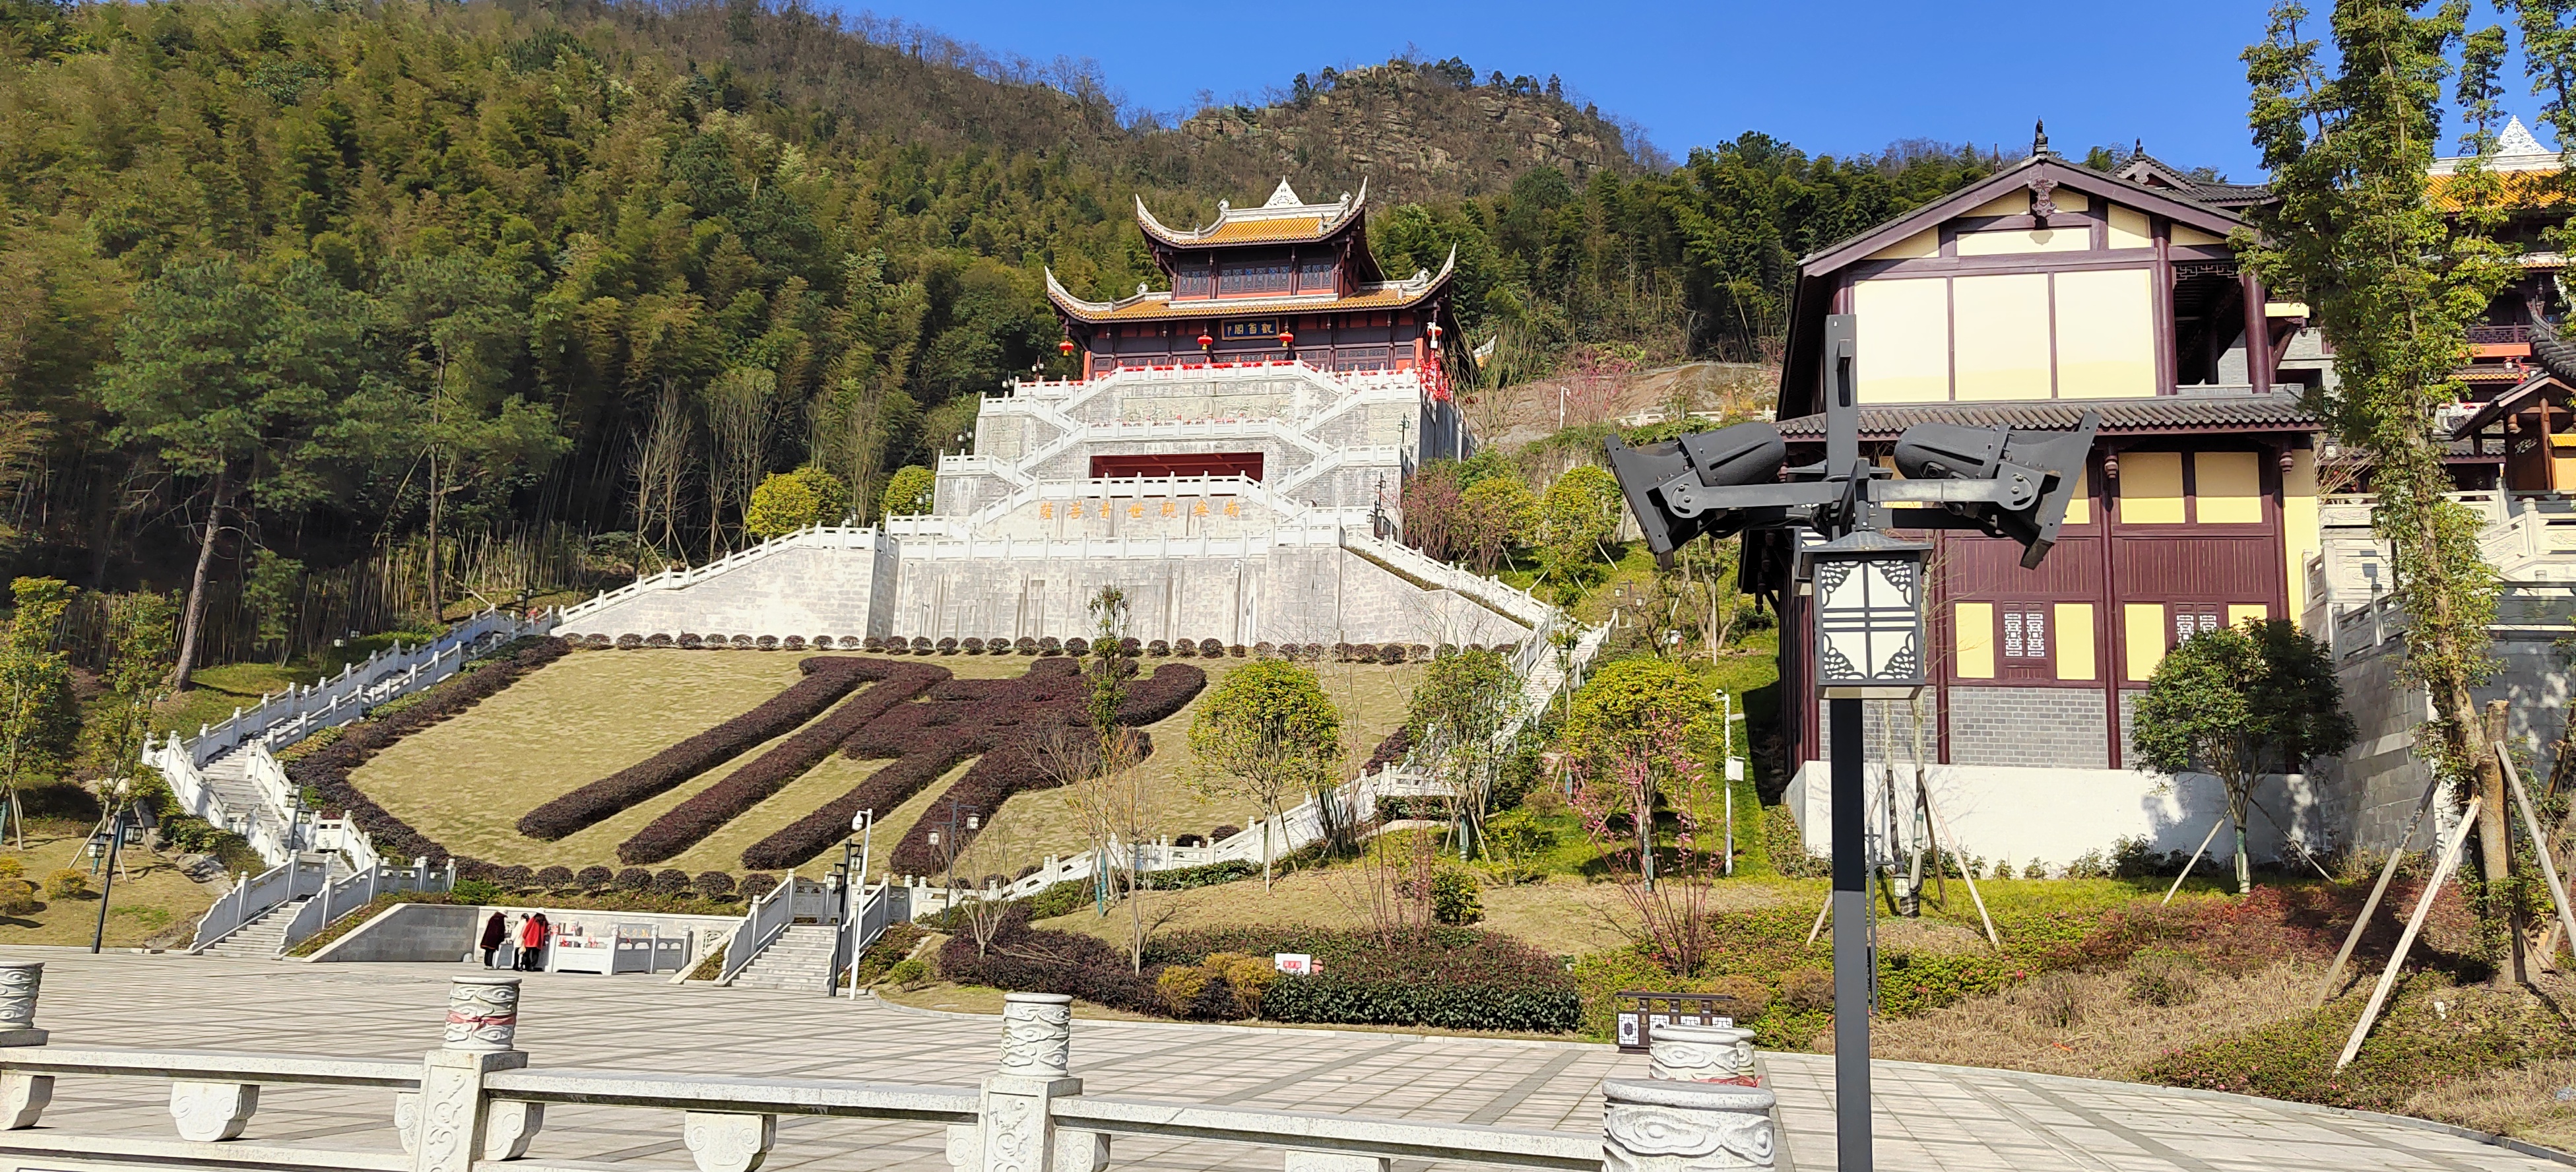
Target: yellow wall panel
2151	488
2106	338
2129	228
2238	612
2078	238
2184	234
1976	623
2228	487
2299	536
2002	336
1915	247
2017	203
2079	508
2074	623
1904	339
2144	624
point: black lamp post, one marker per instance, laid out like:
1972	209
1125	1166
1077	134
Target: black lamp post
1867	594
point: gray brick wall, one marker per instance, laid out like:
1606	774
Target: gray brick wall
2042	727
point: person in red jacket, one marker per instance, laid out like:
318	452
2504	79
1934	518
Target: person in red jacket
532	943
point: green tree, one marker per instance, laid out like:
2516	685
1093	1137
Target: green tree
1500	515
910	491
2240	703
2394	285
41	718
788	501
1613	711
1578	517
237	379
460	320
141	638
1265	731
1458	712
269	591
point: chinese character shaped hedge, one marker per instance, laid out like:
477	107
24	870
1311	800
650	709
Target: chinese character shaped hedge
826	680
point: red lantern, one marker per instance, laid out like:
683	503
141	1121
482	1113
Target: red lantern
1286	339
1206	341
1065	347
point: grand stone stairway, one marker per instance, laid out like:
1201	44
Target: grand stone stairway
800	960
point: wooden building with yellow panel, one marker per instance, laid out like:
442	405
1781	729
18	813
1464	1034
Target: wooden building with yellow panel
2024	300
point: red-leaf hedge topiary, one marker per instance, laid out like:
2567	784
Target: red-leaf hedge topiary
708	811
1002	719
326	771
826	680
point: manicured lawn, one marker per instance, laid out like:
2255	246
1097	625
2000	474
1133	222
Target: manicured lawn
151	898
467	781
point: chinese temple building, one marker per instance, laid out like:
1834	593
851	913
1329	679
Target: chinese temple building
1230	454
1286	280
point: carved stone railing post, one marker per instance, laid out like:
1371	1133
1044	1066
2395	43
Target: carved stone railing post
1660	1125
451	1123
1685	1053
211	1111
22	1096
1015	1130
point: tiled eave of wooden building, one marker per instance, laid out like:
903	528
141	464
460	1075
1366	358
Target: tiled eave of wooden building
1159	305
2161	415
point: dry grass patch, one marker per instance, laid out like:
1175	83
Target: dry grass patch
152	901
1371	697
1562	915
2534	1102
2089	1024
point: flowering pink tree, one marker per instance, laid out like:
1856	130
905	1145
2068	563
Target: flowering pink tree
1620	786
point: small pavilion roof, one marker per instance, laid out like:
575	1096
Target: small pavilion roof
1284	218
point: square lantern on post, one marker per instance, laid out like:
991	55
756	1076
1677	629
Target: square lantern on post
1869	615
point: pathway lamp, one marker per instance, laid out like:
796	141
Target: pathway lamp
1866	589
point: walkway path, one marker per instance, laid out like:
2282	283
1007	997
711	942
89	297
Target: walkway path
1931	1118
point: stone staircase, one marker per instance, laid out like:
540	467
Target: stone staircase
261	939
800	960
229	776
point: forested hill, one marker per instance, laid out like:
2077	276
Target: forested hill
346	273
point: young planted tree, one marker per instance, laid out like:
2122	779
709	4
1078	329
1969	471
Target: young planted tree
1499	515
140	642
2394	283
1264	732
1579	516
2240	703
238	379
36	681
1457	713
1620	735
1635	741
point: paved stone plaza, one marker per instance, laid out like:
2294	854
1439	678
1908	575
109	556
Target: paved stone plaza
1930	1118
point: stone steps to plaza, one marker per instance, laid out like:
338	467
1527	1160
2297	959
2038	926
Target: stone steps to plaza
800	960
263	938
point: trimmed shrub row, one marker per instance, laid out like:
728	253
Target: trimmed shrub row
1012	724
705	813
326	771
826	680
884	790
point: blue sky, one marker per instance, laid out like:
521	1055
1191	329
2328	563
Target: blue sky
1830	77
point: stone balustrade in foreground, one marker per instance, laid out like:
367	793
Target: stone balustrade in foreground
475	1102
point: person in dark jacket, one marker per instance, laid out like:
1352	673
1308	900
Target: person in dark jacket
495	930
